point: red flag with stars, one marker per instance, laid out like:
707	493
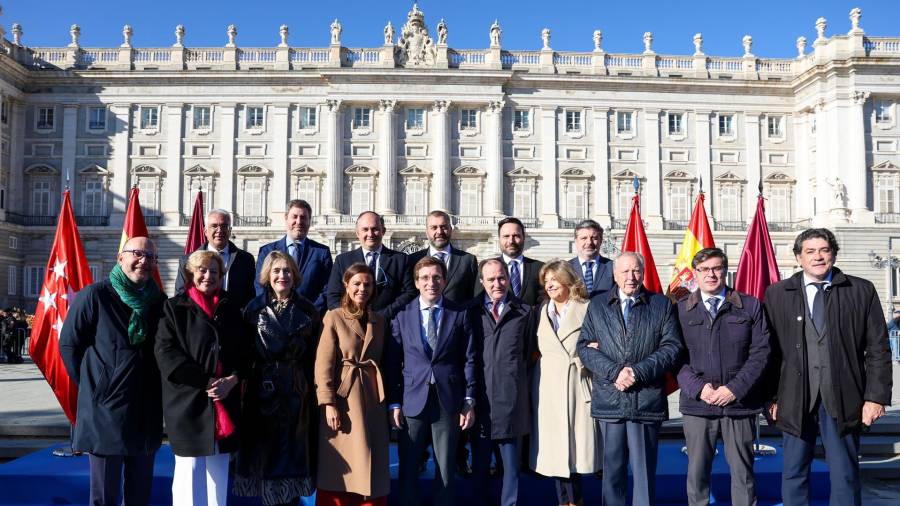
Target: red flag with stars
67	273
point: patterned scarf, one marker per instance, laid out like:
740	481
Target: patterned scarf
139	299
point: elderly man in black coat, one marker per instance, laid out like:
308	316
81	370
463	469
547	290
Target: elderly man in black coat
629	340
831	364
504	328
107	348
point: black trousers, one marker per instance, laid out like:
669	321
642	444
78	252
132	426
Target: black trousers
107	472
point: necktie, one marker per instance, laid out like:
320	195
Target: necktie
627	311
818	308
440	255
298	252
589	276
495	310
713	307
431	328
373	263
515	279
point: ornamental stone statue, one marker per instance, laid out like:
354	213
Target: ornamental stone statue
545	38
442	32
336	30
495	34
388	34
415	47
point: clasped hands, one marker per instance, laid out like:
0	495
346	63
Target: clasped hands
466	418
721	396
218	388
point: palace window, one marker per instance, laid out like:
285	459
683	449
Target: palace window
149	195
726	125
12	284
676	123
468	119
729	196
776	127
679	201
469	192
414	204
360	196
883	111
306	189
778	205
362	118
196	179
34	281
202	117
252	197
307	118
92	197
573	122
256	118
576	199
149	117
624	123
4	111
97	118
521	121
415	119
45	118
887	192
41	197
523	199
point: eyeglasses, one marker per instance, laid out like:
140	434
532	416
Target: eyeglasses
217	226
139	253
719	269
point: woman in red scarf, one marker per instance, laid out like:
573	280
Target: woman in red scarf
201	360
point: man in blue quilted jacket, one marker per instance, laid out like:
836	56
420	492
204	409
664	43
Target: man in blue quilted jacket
629	340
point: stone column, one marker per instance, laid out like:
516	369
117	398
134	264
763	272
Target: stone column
387	158
15	197
119	165
334	173
754	169
227	126
494	154
802	196
823	166
443	186
704	162
281	161
171	194
652	200
70	134
601	166
549	187
855	160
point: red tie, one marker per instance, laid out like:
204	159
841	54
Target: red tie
495	310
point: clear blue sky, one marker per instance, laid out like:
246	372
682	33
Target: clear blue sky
774	25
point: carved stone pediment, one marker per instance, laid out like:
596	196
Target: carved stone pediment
521	172
253	170
93	170
575	173
680	175
730	177
779	177
304	170
886	166
147	170
198	170
414	170
41	169
359	170
467	170
415	48
627	174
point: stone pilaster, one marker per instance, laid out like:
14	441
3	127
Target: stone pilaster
443	189
704	162
171	194
855	160
387	158
754	169
549	187
823	165
16	194
802	195
120	165
280	128
652	201
494	154
70	133
601	166
227	126
334	174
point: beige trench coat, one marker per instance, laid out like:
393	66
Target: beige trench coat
347	373
564	437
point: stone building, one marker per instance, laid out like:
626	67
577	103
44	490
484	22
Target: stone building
415	124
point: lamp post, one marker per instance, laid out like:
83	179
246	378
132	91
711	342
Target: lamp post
889	264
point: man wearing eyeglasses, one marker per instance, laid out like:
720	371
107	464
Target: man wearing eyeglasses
239	266
727	339
313	258
393	285
106	345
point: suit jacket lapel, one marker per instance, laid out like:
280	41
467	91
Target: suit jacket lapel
442	333
413	327
356	327
455	261
572	321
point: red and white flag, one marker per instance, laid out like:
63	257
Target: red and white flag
67	273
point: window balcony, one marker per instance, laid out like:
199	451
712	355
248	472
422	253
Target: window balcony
618	224
152	221
92	221
530	222
404	219
251	221
783	226
676	224
29	220
887	217
570	222
474	221
731	226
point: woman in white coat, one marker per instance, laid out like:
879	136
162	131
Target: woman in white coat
565	441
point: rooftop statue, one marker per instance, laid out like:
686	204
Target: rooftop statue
415	47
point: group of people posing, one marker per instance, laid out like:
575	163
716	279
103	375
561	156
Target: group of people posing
285	376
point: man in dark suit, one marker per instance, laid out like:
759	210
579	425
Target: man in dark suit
523	271
504	329
393	286
313	258
239	269
595	270
831	364
462	267
431	381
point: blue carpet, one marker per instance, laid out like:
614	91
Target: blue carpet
42	479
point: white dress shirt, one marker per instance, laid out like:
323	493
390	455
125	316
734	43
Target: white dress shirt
521	260
812	291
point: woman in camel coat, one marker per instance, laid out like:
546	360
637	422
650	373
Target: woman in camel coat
353	433
565	441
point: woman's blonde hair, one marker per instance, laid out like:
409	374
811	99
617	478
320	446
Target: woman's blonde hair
198	259
347	304
565	274
265	273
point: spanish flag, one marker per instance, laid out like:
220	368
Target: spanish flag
135	226
697	237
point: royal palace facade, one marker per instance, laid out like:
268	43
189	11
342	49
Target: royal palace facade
413	125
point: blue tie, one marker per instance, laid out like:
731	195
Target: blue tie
373	263
589	276
440	255
713	307
515	278
627	311
298	252
818	308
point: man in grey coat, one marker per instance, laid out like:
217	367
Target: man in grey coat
629	340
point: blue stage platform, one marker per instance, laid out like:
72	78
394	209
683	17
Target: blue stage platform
42	479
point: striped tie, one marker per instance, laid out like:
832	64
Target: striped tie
515	279
589	276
